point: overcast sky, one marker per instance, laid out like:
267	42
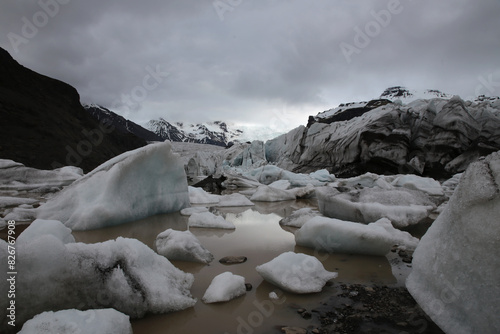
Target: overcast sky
271	62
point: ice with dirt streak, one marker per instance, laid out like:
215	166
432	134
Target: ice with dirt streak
102	321
299	217
124	274
224	287
456	265
338	236
134	185
182	246
209	220
295	272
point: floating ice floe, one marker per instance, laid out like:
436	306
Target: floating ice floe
299	217
134	185
338	236
209	220
56	274
194	209
102	321
224	287
298	273
403	207
200	196
455	266
269	194
234	200
182	246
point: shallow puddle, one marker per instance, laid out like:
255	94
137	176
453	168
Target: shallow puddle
260	238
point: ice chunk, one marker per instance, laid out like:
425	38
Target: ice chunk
194	209
182	246
425	184
224	287
41	227
124	274
322	175
134	185
16	176
103	321
299	217
234	200
200	196
269	194
338	236
455	266
298	273
209	220
6	201
281	184
403	207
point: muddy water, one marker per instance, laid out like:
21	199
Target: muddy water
259	237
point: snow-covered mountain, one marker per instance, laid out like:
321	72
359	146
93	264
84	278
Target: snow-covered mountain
406	95
215	133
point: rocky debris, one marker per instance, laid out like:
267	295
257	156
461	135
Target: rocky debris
228	260
437	138
294	330
372	309
212	184
248	287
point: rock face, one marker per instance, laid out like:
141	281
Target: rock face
44	125
455	266
436	138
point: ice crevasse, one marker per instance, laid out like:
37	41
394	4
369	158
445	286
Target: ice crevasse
136	184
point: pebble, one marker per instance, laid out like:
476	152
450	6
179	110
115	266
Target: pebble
233	259
293	330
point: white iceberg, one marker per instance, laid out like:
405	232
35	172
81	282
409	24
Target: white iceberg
134	185
269	194
455	267
403	207
338	236
209	220
123	274
194	209
200	196
299	217
224	287
298	273
182	246
102	321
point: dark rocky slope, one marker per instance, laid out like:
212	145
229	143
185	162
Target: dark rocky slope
43	124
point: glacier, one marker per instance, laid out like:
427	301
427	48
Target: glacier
134	185
455	266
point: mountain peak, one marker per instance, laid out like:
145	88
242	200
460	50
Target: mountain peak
406	95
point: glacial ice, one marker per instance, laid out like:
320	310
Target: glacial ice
123	274
200	196
425	184
224	287
298	273
182	246
234	200
16	176
455	266
134	185
338	236
102	321
403	207
270	194
194	209
299	217
209	220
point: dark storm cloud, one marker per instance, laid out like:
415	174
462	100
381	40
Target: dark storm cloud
263	58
